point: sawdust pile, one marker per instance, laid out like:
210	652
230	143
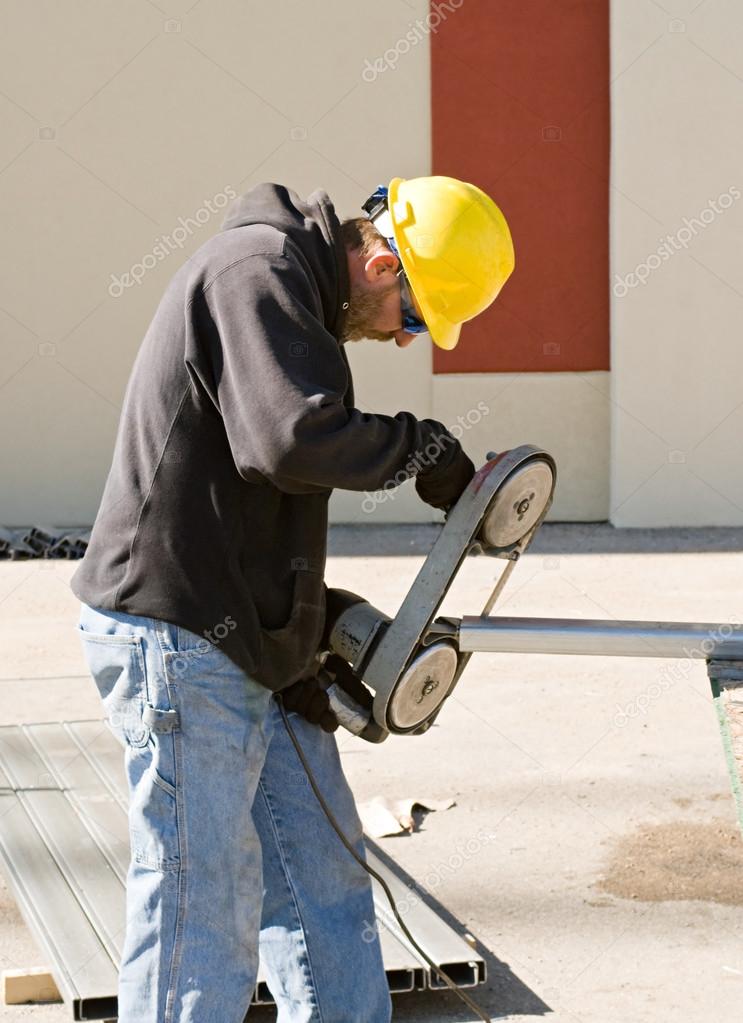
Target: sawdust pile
680	860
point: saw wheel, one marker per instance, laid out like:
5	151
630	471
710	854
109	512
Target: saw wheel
416	662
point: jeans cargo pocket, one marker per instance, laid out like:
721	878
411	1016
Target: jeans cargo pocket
116	663
162	716
192	653
155	774
138	708
153	813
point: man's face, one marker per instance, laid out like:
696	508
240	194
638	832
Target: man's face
374	309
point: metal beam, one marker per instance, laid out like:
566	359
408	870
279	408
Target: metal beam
596	637
64	851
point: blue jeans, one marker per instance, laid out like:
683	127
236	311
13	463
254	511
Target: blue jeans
231	854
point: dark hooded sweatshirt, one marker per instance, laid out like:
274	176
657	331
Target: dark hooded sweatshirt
238	422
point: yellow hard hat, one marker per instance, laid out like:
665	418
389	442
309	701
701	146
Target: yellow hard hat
455	248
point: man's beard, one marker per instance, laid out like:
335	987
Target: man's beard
365	308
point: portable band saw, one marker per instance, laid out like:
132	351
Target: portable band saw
412	662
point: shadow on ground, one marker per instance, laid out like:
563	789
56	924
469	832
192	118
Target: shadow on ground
502	994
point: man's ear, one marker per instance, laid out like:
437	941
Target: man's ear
382	263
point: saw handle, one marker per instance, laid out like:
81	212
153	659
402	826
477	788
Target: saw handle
349	713
352	716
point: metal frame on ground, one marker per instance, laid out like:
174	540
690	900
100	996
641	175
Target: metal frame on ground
64	851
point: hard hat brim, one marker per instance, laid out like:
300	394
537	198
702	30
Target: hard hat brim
444	333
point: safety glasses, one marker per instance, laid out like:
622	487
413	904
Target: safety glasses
376	208
411	322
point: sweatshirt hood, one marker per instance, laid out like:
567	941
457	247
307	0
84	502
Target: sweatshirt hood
313	226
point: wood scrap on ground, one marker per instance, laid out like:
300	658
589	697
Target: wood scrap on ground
382	817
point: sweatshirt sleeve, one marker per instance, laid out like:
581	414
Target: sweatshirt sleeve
280	381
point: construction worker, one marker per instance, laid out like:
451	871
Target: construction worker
203	596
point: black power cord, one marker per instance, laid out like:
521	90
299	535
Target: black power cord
452	985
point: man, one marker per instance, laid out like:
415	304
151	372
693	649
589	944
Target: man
202	588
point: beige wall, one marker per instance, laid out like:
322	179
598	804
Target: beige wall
677	356
117	123
565	413
120	128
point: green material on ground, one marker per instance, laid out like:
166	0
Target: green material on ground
728	699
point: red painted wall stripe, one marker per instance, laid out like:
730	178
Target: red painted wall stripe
520	107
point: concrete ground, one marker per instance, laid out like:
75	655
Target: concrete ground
592	849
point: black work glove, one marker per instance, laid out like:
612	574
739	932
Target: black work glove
309	697
442	485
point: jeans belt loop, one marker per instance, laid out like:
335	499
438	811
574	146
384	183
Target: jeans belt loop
160	720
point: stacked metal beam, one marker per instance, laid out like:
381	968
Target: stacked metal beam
64	851
48	542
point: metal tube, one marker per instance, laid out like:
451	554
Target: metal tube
602	638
